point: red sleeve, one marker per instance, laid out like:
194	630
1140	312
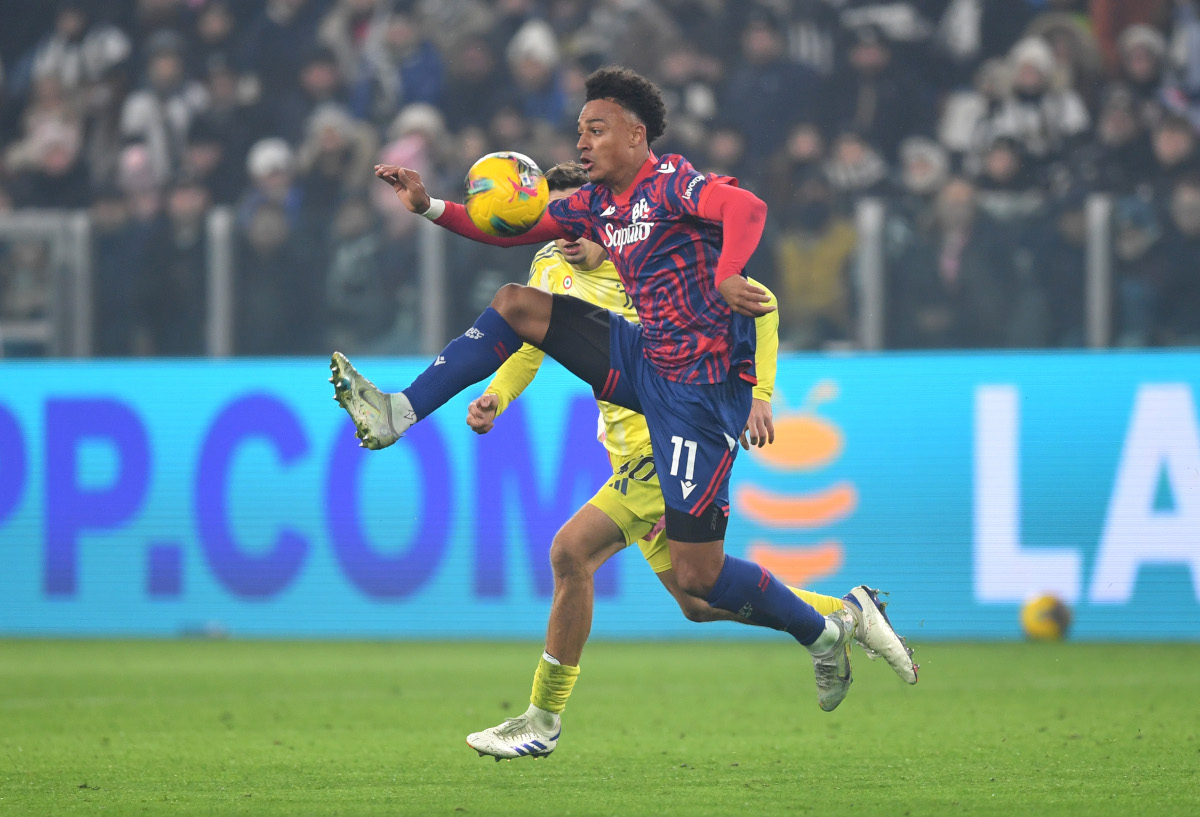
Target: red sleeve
456	220
742	216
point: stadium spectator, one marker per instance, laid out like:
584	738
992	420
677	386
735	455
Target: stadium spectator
213	37
1175	155
1059	260
399	65
278	41
1043	115
321	83
767	89
1179	324
1140	271
347	30
1008	189
273	312
78	52
963	125
1110	19
924	169
359	304
952	287
160	113
873	96
172	288
856	169
473	77
813	280
533	63
1143	68
335	160
1119	158
53	175
117	250
271	166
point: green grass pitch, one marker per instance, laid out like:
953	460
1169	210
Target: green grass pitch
692	728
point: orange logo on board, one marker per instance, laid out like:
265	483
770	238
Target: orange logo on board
804	442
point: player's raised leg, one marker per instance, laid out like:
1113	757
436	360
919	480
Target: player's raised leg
584	543
517	314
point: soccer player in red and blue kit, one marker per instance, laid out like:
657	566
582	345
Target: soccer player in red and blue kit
680	240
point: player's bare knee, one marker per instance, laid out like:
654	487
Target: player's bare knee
695	609
568	556
525	309
694	580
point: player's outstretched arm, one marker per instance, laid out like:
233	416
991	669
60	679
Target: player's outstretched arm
453	216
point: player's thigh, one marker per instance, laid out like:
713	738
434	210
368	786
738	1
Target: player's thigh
693	432
579	337
631	497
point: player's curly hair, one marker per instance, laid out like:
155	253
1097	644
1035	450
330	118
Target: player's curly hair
634	93
566	176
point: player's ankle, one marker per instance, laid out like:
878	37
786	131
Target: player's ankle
544	720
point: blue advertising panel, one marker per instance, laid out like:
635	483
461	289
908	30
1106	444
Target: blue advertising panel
199	497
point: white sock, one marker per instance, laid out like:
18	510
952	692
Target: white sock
544	721
551	659
403	416
827	639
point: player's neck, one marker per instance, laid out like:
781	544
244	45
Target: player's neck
620	188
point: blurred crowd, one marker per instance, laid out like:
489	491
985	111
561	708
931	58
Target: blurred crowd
983	124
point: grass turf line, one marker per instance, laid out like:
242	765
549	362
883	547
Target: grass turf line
266	728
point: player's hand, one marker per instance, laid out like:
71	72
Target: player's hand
744	297
481	414
407	184
760	428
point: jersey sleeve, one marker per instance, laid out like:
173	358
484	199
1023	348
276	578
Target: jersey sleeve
766	354
689	187
455	219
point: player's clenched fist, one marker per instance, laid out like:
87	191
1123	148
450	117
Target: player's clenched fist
407	184
481	414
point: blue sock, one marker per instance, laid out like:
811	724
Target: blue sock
467	359
753	593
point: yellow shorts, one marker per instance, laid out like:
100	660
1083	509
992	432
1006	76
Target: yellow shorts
633	499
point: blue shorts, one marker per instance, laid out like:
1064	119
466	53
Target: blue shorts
694	428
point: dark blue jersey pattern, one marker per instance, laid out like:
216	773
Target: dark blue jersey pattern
666	254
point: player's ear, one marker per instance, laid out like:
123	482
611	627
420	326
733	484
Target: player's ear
637	134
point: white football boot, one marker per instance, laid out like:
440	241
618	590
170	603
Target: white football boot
875	633
380	419
516	737
832	667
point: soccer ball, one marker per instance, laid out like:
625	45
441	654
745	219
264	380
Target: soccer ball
506	194
1045	618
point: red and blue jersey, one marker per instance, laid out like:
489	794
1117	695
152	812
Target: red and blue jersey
666	254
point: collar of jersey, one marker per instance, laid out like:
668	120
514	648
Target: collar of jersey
646	171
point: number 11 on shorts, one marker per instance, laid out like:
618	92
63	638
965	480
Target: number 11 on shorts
679	444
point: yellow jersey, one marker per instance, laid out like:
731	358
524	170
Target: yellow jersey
622	431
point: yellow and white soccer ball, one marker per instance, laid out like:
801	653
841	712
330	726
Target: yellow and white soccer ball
506	193
1045	618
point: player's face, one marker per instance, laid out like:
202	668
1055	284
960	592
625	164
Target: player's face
612	144
580	253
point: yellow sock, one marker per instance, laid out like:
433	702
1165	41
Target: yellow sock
552	685
823	604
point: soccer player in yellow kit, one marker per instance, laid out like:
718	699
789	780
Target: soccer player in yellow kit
625	510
